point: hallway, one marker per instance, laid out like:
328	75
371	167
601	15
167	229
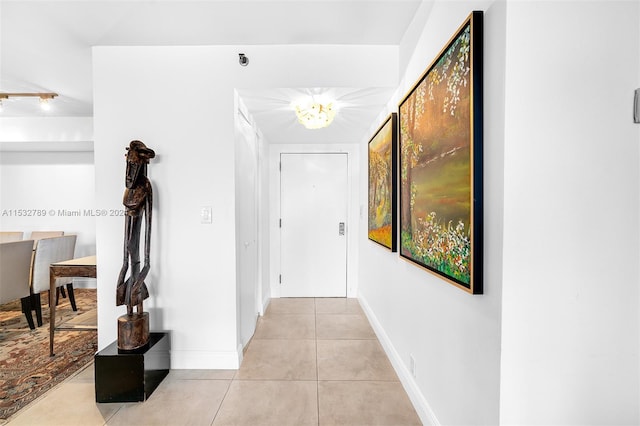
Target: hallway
310	362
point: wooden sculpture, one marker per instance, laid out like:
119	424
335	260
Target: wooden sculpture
133	328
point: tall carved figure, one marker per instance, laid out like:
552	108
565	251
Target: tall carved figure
133	328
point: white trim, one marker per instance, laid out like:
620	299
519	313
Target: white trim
426	414
266	300
206	360
240	351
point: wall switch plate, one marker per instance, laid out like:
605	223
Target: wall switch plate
205	215
636	106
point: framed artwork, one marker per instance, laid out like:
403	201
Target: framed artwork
441	163
383	184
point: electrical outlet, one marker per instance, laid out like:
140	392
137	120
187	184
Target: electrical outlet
412	365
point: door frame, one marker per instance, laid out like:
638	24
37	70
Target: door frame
354	210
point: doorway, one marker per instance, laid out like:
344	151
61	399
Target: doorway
313	224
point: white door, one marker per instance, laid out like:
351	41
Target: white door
313	211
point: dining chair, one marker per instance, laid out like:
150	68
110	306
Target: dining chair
15	267
9	236
48	251
38	235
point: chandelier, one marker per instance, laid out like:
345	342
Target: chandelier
315	115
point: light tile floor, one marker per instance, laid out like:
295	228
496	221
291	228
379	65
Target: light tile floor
310	362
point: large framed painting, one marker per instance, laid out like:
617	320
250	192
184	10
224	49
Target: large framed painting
441	163
383	184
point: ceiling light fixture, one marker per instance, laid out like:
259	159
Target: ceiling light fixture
45	97
315	115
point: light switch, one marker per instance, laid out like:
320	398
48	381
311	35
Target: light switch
205	214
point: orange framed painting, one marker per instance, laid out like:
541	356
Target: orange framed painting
383	183
440	149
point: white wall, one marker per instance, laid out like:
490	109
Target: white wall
570	294
46	133
47	178
264	231
638	135
173	99
554	339
49	191
180	101
453	337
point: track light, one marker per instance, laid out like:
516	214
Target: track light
44	104
45	98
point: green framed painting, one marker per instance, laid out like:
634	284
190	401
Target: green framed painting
383	184
440	144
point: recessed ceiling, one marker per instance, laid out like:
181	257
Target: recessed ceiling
46	46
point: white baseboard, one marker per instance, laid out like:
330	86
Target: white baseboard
265	305
418	400
205	360
240	351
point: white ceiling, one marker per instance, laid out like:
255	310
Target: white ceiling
46	46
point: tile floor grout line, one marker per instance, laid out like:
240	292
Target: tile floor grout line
226	392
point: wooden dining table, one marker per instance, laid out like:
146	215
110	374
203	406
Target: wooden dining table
79	267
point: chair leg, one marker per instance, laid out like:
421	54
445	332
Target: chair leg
26	309
60	291
38	307
72	296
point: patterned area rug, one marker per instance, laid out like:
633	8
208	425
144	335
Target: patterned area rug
26	370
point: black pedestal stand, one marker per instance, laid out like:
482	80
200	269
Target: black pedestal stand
122	376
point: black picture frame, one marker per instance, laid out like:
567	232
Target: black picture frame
441	162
